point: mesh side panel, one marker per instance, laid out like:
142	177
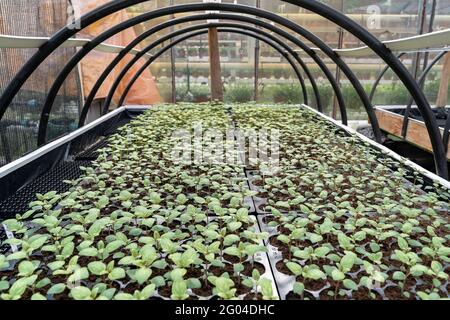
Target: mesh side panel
18	128
92	153
50	181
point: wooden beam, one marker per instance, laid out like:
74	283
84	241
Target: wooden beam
215	68
392	123
445	77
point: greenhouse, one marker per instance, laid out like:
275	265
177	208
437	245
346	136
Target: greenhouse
250	150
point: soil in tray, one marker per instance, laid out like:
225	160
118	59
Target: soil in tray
248	269
395	293
268	219
306	296
365	294
313	285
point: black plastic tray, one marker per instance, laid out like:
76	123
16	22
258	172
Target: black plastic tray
92	153
50	181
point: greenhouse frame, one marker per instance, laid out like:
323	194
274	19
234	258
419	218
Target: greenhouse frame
120	182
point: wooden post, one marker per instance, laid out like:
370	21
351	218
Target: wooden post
215	68
445	77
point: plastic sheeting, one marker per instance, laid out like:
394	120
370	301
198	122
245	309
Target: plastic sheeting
18	128
145	90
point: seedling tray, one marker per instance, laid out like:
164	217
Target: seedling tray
282	284
285	282
261	258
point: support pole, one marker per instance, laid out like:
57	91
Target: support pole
445	79
257	59
215	68
416	67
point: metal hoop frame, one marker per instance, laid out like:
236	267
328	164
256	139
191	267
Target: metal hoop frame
317	7
234	8
396	65
379	77
231	30
261	32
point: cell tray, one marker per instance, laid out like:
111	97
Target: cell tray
49	181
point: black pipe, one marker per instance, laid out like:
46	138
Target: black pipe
316	7
315	40
386	54
447	131
289	24
245	32
87	48
421	83
113	64
379	77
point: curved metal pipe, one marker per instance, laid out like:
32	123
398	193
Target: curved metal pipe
234	8
107	34
181	32
421	83
379	77
312	53
316	7
275	39
150	61
396	65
